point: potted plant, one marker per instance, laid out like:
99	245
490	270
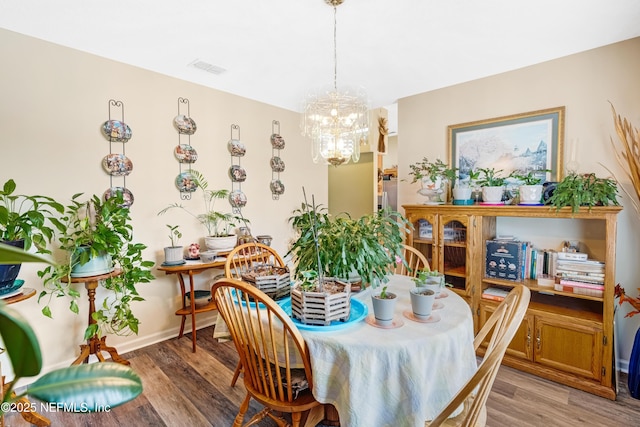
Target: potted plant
384	304
586	189
96	229
430	279
25	221
339	247
530	188
435	178
492	185
220	225
93	387
174	254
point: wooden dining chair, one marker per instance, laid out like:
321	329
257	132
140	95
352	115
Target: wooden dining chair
247	255
415	261
268	343
239	260
496	333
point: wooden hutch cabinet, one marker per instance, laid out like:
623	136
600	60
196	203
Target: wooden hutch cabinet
564	337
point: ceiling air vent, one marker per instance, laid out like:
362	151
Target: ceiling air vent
209	68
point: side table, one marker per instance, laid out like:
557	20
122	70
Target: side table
191	268
25	406
94	344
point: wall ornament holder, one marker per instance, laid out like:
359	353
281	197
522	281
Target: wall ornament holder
117	164
237	174
184	151
277	164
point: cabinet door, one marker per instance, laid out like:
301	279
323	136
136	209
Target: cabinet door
521	345
569	345
452	250
425	235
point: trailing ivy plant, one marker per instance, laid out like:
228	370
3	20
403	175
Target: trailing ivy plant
104	228
587	189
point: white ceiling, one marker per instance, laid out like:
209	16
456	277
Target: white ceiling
277	51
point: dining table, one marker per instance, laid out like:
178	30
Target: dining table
399	375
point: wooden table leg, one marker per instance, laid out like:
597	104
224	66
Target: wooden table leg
331	417
25	408
182	292
193	311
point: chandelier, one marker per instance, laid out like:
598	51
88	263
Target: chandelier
337	122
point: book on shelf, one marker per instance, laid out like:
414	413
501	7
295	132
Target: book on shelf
575	256
505	259
495	294
579	290
579	284
582	278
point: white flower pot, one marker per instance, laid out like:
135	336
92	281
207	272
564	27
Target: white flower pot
531	194
221	244
492	194
173	254
462	193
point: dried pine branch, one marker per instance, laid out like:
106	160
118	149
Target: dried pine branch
628	155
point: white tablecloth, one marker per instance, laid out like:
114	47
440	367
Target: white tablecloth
394	377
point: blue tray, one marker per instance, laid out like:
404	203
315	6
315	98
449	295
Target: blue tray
253	304
13	288
358	313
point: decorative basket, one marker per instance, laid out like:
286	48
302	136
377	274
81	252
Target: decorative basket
273	281
321	308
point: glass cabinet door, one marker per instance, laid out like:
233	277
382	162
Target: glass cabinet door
452	244
425	236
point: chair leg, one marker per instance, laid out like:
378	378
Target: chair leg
313	417
243	409
236	374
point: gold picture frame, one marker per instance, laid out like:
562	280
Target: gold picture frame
523	142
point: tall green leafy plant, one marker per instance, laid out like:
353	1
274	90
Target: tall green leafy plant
217	223
367	245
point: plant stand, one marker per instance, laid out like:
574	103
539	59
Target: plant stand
94	344
321	308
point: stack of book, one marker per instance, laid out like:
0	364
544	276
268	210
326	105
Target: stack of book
494	293
580	275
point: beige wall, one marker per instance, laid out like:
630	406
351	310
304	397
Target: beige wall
54	101
584	83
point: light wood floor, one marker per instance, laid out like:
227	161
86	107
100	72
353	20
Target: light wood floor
186	389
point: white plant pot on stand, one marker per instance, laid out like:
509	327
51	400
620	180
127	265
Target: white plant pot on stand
531	194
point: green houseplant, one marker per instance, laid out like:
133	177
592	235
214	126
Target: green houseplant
95	228
25	221
366	246
492	183
530	185
435	179
586	189
220	225
94	387
174	254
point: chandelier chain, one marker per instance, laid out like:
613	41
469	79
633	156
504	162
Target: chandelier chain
335	48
